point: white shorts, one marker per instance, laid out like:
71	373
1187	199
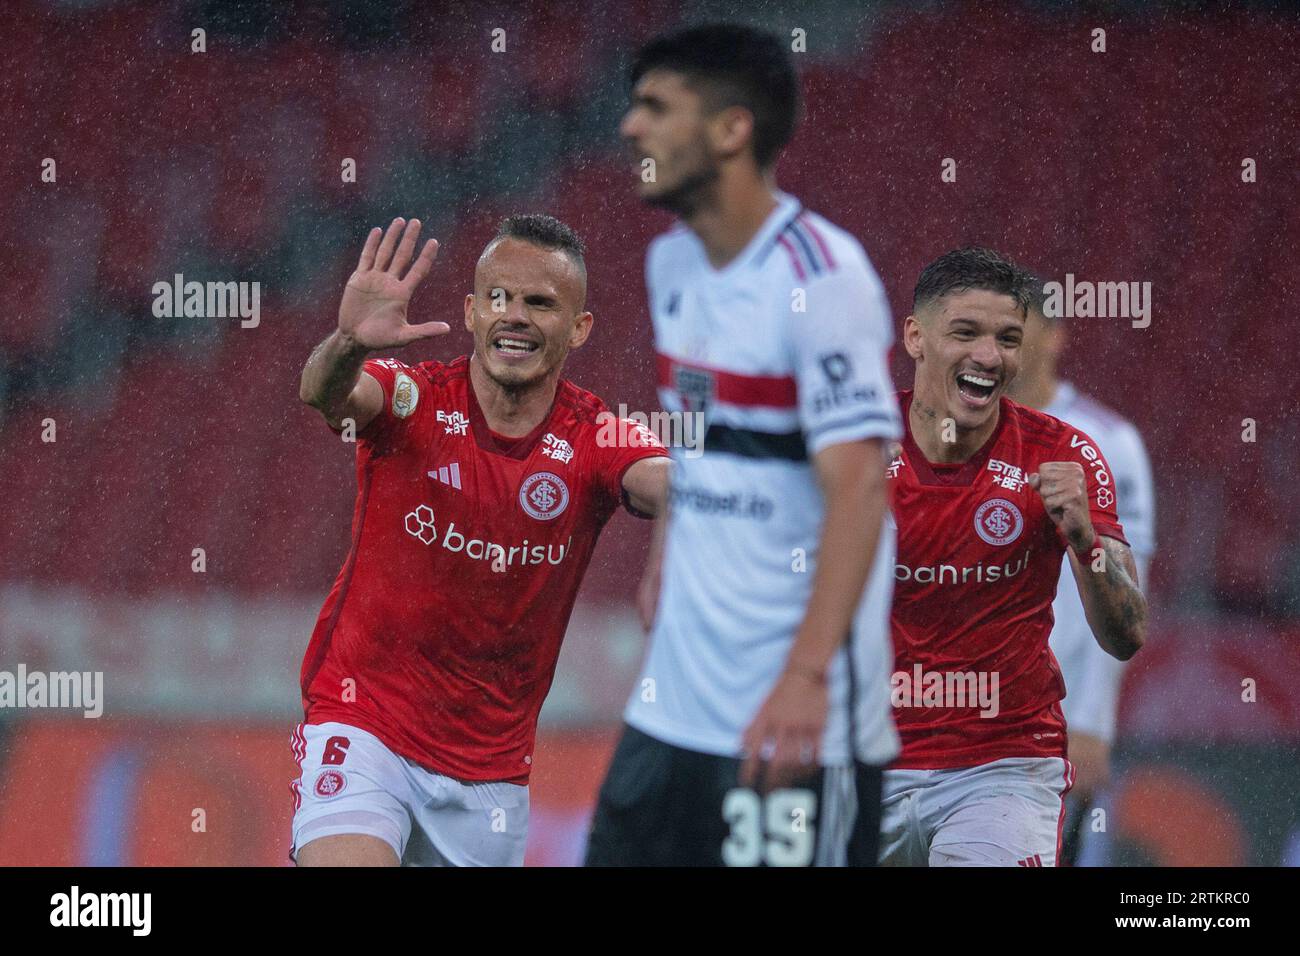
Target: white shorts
360	786
1003	813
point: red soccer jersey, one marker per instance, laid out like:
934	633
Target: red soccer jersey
974	580
441	634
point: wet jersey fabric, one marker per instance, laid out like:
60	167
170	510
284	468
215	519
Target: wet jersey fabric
441	633
977	570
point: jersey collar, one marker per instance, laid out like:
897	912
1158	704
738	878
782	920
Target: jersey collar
487	440
787	210
956	474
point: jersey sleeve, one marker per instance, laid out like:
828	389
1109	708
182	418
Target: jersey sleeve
402	394
840	354
619	444
1100	478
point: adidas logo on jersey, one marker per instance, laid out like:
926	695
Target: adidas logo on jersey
448	475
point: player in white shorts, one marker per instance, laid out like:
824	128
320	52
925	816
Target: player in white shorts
427	818
1003	813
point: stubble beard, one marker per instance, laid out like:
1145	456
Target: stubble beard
514	386
689	195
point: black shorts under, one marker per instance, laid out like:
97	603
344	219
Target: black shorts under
662	805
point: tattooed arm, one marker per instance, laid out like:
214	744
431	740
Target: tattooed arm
1108	587
1107	577
333	383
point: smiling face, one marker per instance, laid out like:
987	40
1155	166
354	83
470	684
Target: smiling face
669	123
526	312
967	350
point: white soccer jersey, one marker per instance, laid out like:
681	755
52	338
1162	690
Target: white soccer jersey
784	352
1092	677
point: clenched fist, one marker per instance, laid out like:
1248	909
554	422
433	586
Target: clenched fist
1064	489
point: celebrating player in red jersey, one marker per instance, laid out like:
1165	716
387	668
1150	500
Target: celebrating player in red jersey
988	495
482	487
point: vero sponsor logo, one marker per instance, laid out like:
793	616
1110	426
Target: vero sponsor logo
1092	459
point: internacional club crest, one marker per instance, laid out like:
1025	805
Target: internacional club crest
330	783
998	521
544	495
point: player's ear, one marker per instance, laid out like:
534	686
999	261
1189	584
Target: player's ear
581	329
469	312
731	130
912	336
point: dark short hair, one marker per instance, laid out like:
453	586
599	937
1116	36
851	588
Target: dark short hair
733	65
545	231
973	268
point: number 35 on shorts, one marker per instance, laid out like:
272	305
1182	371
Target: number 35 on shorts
775	830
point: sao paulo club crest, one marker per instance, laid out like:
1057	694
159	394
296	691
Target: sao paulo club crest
696	388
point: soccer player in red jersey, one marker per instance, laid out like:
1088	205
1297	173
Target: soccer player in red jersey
482	487
988	496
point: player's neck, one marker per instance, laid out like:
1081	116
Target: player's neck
511	412
1038	392
926	421
733	214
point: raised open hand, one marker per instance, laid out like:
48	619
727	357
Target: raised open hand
373	311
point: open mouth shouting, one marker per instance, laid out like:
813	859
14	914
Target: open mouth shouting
515	346
976	389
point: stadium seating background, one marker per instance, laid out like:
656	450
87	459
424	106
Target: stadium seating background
183	433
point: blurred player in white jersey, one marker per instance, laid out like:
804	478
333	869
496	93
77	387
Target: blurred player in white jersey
1092	677
767	671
